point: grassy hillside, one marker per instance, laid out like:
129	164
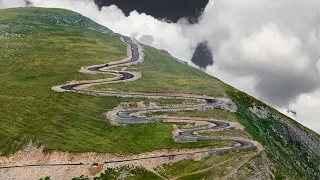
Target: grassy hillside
42	48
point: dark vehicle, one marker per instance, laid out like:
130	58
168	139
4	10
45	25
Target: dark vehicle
211	101
106	65
95	164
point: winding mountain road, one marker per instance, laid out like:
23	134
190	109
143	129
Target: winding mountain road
137	116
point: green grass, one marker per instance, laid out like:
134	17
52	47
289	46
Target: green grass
160	102
217	114
82	77
226	132
165	102
133	173
42	48
162	74
212	167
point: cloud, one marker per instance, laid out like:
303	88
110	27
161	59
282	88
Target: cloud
147	39
281	69
307	106
267	48
11	3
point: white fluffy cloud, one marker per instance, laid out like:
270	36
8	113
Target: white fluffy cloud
267	48
271	49
11	4
307	106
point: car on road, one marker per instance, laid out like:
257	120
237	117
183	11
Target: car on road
95	164
210	101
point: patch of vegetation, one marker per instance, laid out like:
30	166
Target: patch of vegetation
165	102
127	172
254	168
120	68
226	132
212	167
160	102
81	178
45	178
217	114
84	77
124	172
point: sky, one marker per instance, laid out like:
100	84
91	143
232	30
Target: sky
269	49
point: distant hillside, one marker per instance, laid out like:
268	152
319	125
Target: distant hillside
42	48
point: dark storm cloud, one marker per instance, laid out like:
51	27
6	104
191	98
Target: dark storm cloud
282	88
202	55
171	10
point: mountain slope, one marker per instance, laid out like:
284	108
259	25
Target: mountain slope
46	47
51	53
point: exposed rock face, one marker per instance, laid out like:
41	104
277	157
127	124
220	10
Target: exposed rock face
258	167
302	147
202	56
286	142
290	132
